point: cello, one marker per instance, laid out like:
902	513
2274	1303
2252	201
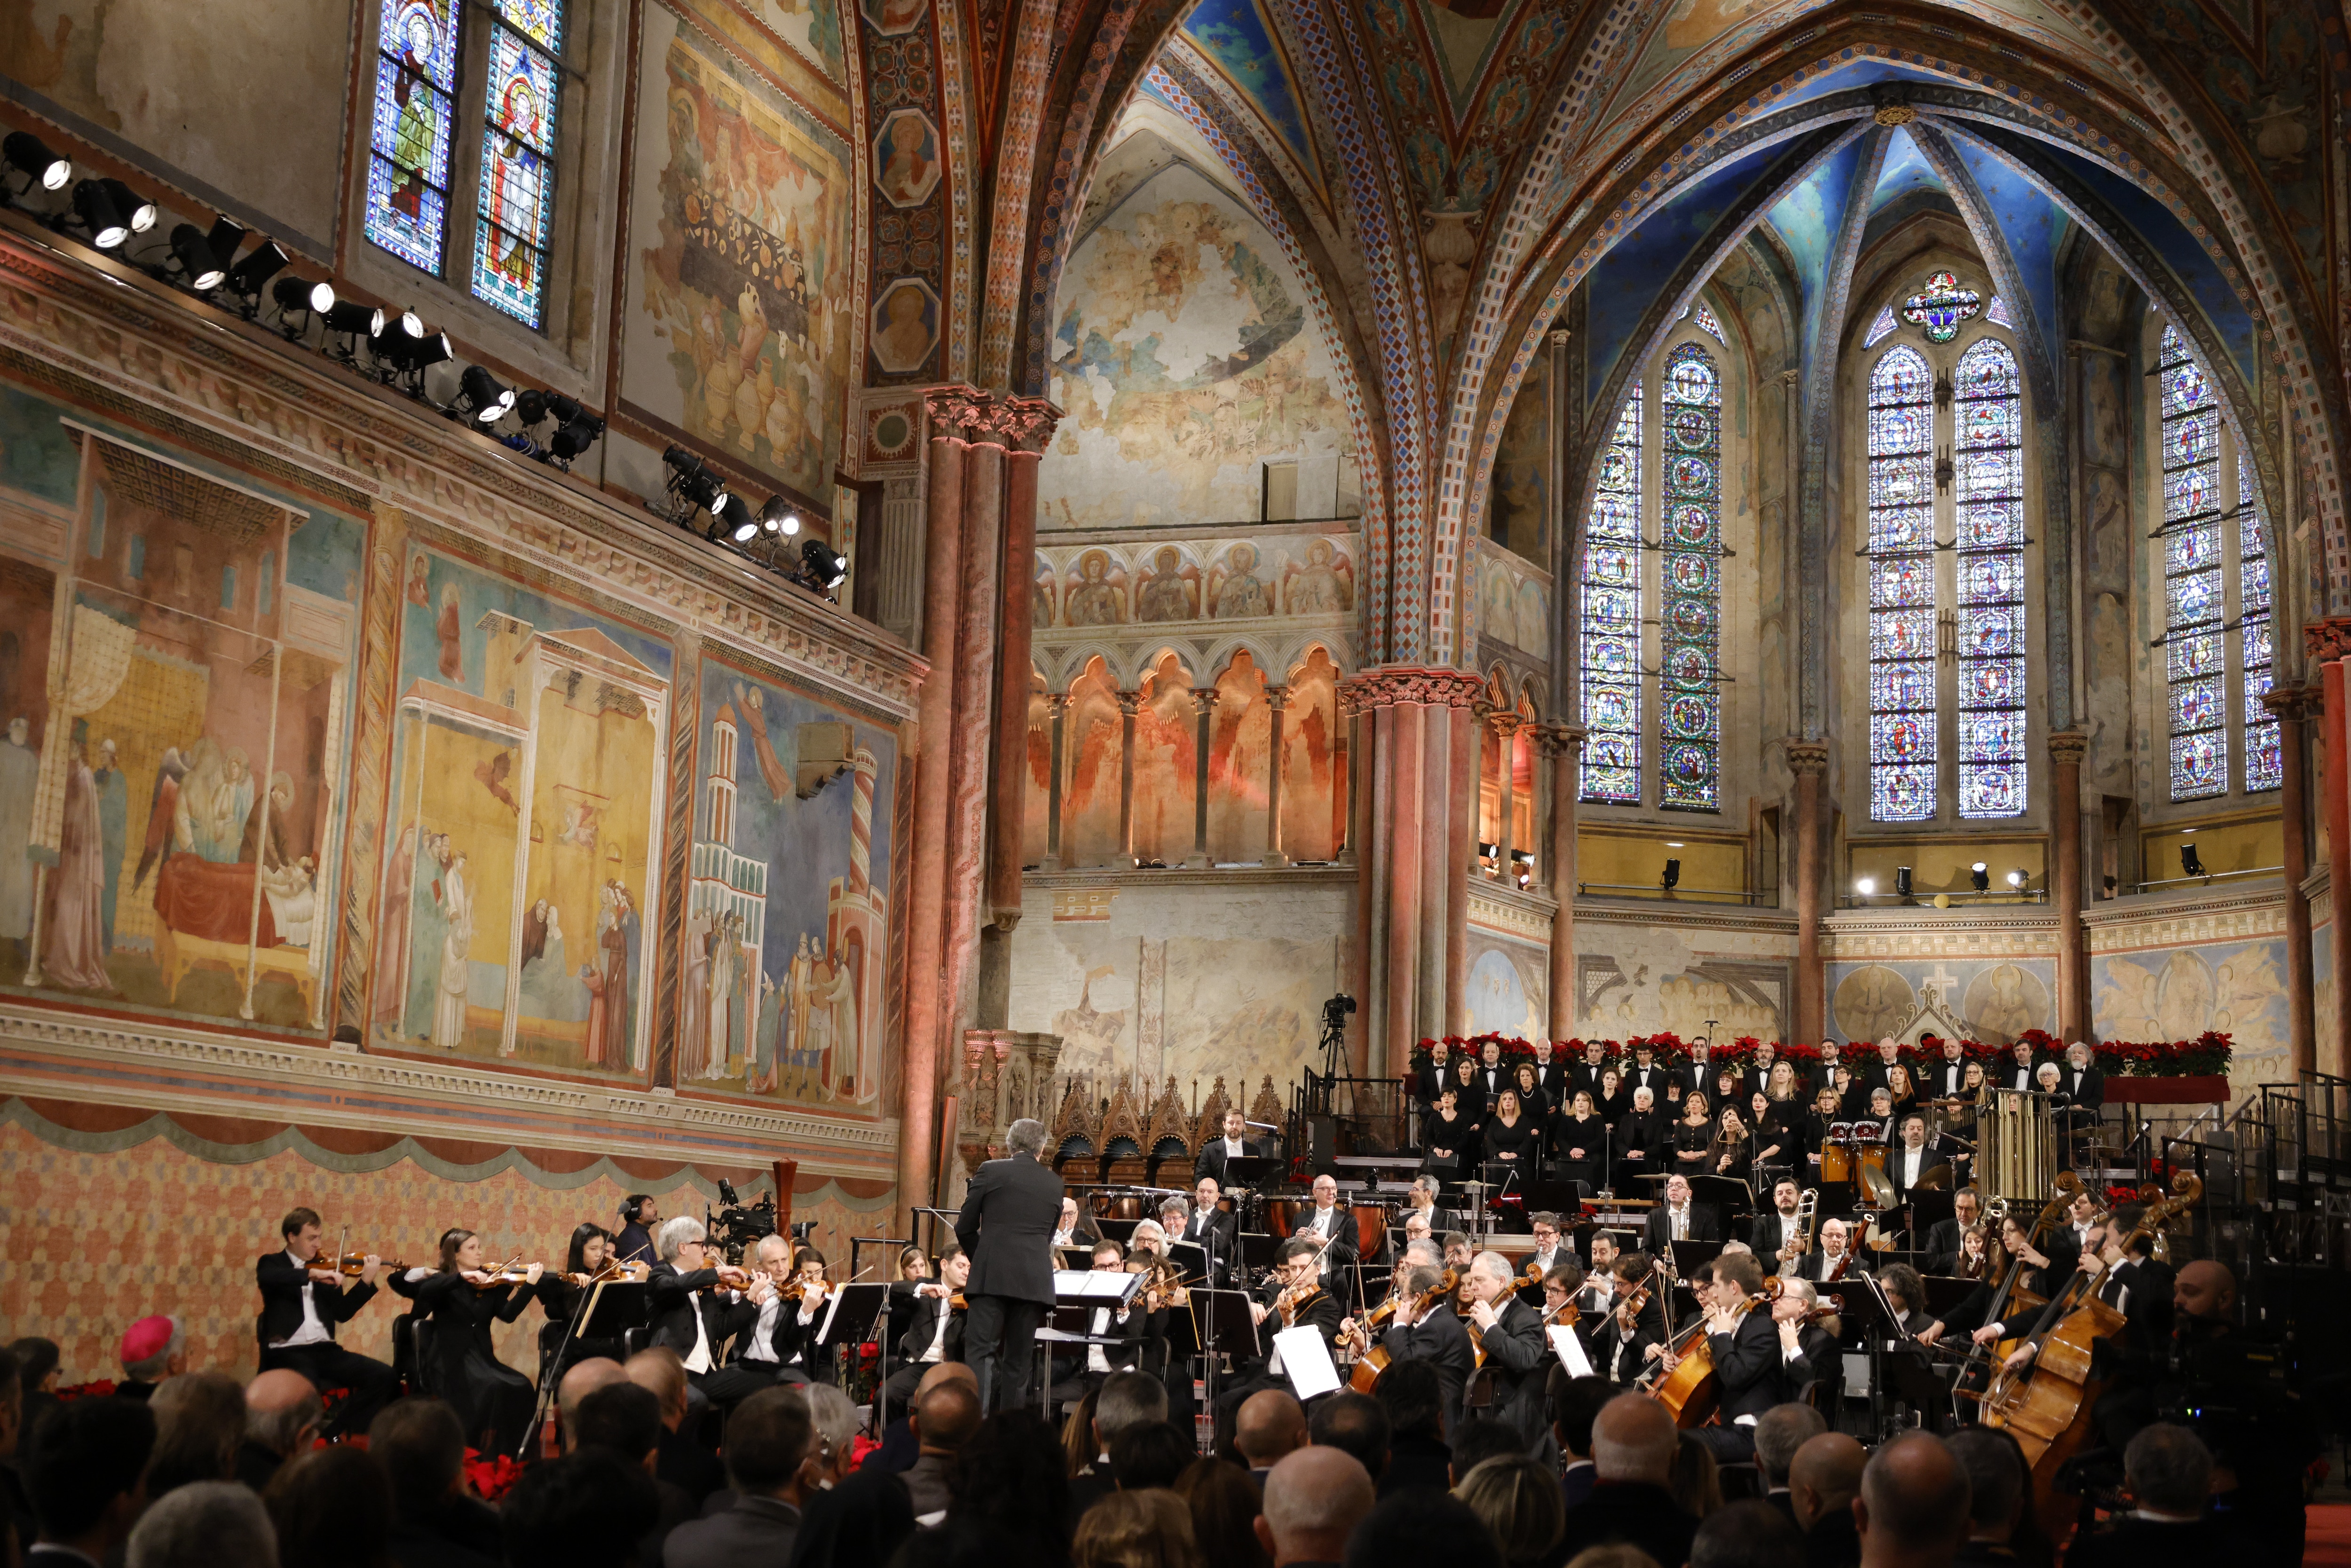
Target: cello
1690	1390
1372	1359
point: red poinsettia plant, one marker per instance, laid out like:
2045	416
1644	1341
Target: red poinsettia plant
494	1477
2207	1055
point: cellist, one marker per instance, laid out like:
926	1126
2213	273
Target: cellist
1759	1357
1426	1327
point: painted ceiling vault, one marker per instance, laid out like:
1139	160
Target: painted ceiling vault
1452	172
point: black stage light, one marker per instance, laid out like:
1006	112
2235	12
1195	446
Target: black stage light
351	317
1673	874
430	350
2190	862
226	236
821	563
564	409
136	210
695	483
199	267
94	206
530	406
483	395
576	437
1979	874
1902	881
294	294
23	149
778	518
257	267
735	519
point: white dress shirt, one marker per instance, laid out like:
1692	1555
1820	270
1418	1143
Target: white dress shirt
699	1361
762	1344
312	1330
1913	1162
1097	1357
1680	1220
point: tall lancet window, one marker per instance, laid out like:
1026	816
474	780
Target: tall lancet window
1989	431
1904	726
2264	760
2195	641
1690	540
1611	618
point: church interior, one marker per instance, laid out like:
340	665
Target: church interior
923	563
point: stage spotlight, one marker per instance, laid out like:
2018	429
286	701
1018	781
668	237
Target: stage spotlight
226	236
294	294
2190	862
137	210
819	571
483	395
576	437
694	484
94	206
25	151
1673	874
530	407
349	315
199	267
735	520
778	518
2016	879
255	267
1981	875
1866	886
1902	881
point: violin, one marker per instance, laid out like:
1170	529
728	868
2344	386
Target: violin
506	1276
351	1265
1293	1300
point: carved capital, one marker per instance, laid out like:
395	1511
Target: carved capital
1506	723
956	413
1203	700
1057	702
1028	423
1277	698
2294	704
2328	639
1128	702
2068	747
1808	756
1560	739
1558	337
1413	684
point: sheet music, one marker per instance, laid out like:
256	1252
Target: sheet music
831	1305
1306	1359
1571	1349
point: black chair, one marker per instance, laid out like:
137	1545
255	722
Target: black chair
633	1339
420	1334
403	1350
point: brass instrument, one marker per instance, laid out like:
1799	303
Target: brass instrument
2016	1134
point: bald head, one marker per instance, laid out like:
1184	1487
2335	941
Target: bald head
1271	1426
1313	1501
1632	1440
2205	1290
281	1410
1826	1475
598	1372
947	1372
1913	1504
945	1418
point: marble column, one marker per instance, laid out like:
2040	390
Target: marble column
1204	705
1808	760
1463	838
951	410
1027	424
1505	746
2335	1052
975	675
2067	749
1396	844
2292	705
1563	746
1127	703
1366	797
1057	706
1276	699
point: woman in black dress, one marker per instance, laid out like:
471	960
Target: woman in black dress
1469	1090
1578	1141
1732	1153
1901	1090
1693	1136
1533	1104
1448	1139
493	1400
564	1296
1512	1139
1615	1102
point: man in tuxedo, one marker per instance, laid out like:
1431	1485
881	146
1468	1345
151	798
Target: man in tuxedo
1428	1081
1549	1254
1822	1261
1211	1229
1006	1223
1435	1336
85	1466
1215	1156
1751	1352
1640	1141
1693	1076
1332	1228
1942	1248
1875	1074
1644	1073
1600	1252
2018	1073
302	1300
1551	1076
1510	1386
1679	1219
1911	1163
1129	1324
1776	1237
1586	1074
2170	1472
1493	1076
2084	1088
688	1315
1311	1307
1946	1077
1824	1357
771	1344
1758	1077
933	1335
1618	1341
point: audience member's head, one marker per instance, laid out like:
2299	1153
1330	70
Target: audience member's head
422	1447
1696	1483
835	1416
1613	1554
84	1467
1150	1454
1271	1425
199	1424
1353	1424
1575	1405
281	1412
1148	1528
1825	1476
1480	1439
622	1419
1313	1501
1749	1533
1012	1481
770	1446
153	1349
1420	1526
1519	1499
1778	1432
332	1508
1127	1399
581	1381
204	1525
1632	1440
861	1522
2169	1471
1413	1395
1996	1481
36	1364
945	1418
662	1370
587	1509
1225	1503
1914	1503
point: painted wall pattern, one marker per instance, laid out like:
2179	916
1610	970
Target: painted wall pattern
1994	1001
910	308
1643	979
1513	601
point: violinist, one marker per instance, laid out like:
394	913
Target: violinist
1509	1385
934	1332
1600	1252
302	1300
913	1271
1291	1297
1072	1375
1620	1343
1758	1356
564	1296
460	1299
764	1321
1816	1340
798	1331
691	1315
1549	1254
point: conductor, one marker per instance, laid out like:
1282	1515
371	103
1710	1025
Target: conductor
1007	1226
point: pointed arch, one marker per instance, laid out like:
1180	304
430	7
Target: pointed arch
1689	540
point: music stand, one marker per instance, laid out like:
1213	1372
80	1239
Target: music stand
1944	1294
1119	1230
1251	1171
1191	1260
1080	1290
1692	1255
852	1316
1257	1249
1731	1198
1226	1326
1862	1302
614	1306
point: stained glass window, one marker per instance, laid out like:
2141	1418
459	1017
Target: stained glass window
1942	308
2195	644
1903	721
1988	428
1708	324
518	194
1884	324
408	164
2264	761
1612	618
1690	545
1997	313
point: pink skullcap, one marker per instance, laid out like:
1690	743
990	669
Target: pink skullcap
147	1337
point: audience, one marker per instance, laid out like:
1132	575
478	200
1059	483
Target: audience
199	1428
204	1525
1778	1432
1136	1529
15	1504
1012	1492
152	1350
1225	1503
578	1384
1421	1528
944	1421
1823	1480
436	1524
1633	1447
1313	1501
861	1522
1270	1426
86	1467
1749	1533
2169	1473
587	1509
771	1458
835	1416
1913	1504
1353	1424
685	1461
1696	1485
1413	1395
1576	1404
625	1421
1518	1500
332	1508
1480	1439
1996	1493
1151	1456
36	1377
282	1410
1125	1399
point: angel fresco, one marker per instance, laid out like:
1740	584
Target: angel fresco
1323	586
1170	593
1094	599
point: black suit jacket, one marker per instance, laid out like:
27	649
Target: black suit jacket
2088	1087
1006	1225
672	1298
1342	1249
1823	1364
1429	1082
1749	1367
1930	1160
1217	1233
1654	1078
1941	1080
1211	1159
1942	1246
1764	1238
1517	1364
1631	1511
2135	1541
1658	1229
282	1282
1440	1340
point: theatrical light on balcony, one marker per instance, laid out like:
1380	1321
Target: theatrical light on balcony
819	571
2016	879
1981	875
27	152
200	265
1866	886
1902	881
302	294
575	436
778	519
694	487
255	267
351	317
2190	862
94	206
1673	874
735	520
483	395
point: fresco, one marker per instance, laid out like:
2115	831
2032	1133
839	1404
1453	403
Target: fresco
1506	988
1185	357
518	880
1235	36
1163	584
1520	511
1642	981
738	315
2236	988
1992	1000
1512	606
812	27
787	927
174	735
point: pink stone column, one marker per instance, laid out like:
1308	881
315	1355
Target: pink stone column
1030	423
1462	836
975	694
949	410
1564	745
2292	705
1809	760
2337	800
1276	699
1396	843
2067	749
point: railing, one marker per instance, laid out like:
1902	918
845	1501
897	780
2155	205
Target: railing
2212	876
1655	890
